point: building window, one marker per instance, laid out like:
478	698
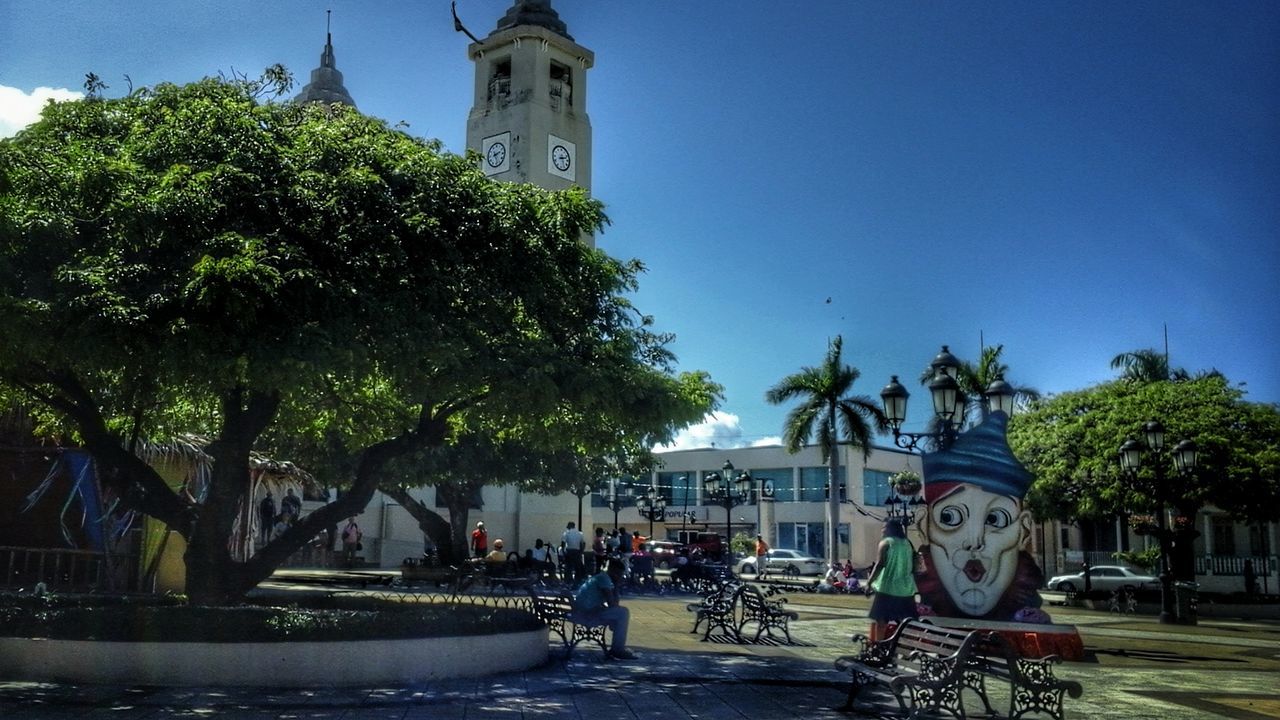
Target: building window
875	486
500	80
678	489
1224	536
560	86
813	484
784	486
771	480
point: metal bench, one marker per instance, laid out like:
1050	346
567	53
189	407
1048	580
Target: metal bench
716	609
766	614
924	665
556	610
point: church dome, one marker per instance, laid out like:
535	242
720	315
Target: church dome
326	82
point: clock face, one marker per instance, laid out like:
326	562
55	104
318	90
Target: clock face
497	155
560	158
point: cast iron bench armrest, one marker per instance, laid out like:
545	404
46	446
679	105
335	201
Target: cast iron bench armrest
1032	684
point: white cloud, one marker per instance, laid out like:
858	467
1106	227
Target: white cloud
767	441
717	430
18	108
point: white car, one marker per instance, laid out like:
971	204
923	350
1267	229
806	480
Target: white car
786	562
1104	577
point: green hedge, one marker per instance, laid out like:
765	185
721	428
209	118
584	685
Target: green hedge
167	620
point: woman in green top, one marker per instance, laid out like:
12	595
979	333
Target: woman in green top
893	580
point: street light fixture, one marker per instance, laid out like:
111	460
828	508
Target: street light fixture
581	490
616	502
719	490
651	506
947	406
1185	456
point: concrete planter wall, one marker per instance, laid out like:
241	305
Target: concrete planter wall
282	664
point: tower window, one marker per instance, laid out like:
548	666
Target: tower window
500	80
561	86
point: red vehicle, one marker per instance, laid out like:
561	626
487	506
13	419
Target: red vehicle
711	545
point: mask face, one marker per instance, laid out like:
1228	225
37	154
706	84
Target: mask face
974	538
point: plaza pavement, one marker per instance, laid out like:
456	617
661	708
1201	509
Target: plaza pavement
1134	668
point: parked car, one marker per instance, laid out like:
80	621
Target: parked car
709	545
786	562
664	553
1104	577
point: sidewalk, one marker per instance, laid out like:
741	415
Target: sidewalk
1135	668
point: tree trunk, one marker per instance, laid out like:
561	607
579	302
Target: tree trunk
429	522
833	491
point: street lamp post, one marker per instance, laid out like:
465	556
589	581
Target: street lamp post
581	490
1185	455
615	502
721	490
651	506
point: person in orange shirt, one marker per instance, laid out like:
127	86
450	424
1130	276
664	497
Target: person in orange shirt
762	557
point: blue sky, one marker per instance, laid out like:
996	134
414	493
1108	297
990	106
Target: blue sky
1064	179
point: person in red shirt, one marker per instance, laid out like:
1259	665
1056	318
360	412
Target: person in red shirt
762	557
479	541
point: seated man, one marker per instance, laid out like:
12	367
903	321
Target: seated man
597	603
497	555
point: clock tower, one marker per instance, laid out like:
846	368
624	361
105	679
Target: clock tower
529	120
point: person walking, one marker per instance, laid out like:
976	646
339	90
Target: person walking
762	557
893	580
599	549
291	504
597	603
351	535
479	541
573	543
266	518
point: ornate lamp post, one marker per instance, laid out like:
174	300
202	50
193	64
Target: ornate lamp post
651	506
616	502
580	491
722	491
1185	456
947	405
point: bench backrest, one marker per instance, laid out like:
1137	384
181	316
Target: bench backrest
750	597
550	605
923	636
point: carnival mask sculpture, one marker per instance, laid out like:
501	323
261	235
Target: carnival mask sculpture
976	529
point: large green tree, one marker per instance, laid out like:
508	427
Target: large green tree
827	413
188	258
1071	443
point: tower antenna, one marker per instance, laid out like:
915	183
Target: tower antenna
328	16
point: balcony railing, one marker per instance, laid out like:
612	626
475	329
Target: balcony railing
61	570
1234	565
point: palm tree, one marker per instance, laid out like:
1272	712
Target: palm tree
1145	366
827	412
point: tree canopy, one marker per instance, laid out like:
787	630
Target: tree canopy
189	259
1071	443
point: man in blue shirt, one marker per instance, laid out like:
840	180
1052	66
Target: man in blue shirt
597	604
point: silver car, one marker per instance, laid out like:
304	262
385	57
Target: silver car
1104	577
789	563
